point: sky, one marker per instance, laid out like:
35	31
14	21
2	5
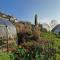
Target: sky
25	10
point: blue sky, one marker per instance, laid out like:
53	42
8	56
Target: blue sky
26	9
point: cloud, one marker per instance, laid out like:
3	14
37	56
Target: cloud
44	20
47	20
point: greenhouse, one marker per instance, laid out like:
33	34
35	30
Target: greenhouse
7	35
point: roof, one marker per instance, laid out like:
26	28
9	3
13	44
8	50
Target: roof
7	27
5	22
55	27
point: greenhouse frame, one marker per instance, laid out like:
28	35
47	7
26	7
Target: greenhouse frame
8	35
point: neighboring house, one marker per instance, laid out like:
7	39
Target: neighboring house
56	29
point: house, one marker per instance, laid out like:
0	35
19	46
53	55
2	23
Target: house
56	29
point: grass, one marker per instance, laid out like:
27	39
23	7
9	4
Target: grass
4	56
52	37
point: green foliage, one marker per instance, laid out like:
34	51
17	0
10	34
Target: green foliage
48	35
4	56
21	52
51	51
57	57
53	38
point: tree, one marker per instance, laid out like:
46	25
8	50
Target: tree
46	26
53	23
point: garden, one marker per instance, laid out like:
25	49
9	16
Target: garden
48	48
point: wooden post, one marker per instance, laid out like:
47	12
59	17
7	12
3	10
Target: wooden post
7	37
